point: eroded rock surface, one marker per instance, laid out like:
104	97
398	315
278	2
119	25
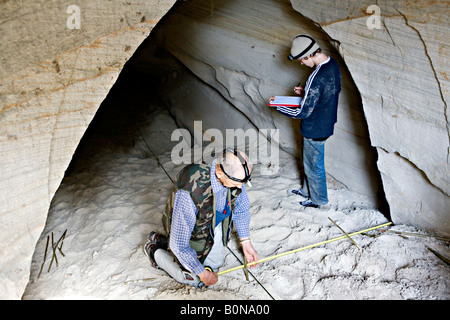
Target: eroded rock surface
394	98
53	79
397	53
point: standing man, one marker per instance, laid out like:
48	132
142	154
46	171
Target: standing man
318	111
205	202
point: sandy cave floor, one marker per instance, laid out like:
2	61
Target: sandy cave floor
112	197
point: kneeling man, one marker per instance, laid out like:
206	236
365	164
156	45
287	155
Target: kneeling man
205	202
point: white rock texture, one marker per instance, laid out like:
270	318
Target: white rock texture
53	79
240	51
400	66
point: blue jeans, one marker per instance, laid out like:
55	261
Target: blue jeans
315	182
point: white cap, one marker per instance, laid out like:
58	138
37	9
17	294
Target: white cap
303	45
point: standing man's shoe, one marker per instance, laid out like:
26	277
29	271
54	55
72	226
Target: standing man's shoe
309	203
297	192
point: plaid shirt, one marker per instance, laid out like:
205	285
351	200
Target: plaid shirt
184	218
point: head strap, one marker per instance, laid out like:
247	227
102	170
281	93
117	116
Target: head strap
243	162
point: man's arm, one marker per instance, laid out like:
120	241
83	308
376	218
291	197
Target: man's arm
241	218
311	96
183	222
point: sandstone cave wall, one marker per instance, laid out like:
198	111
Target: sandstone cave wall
238	49
400	65
53	79
394	97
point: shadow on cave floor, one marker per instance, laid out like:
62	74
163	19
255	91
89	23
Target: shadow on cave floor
114	192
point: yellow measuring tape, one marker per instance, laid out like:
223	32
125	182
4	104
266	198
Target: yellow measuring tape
301	249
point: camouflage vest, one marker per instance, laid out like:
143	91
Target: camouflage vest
195	179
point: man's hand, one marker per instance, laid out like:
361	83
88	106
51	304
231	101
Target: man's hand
208	277
299	90
250	253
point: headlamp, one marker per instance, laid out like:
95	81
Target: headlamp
244	165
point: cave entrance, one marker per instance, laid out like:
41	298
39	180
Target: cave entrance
204	61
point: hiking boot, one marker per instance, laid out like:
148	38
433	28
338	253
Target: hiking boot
309	203
155	241
159	239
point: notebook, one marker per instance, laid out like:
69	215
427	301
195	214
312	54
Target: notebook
285	101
